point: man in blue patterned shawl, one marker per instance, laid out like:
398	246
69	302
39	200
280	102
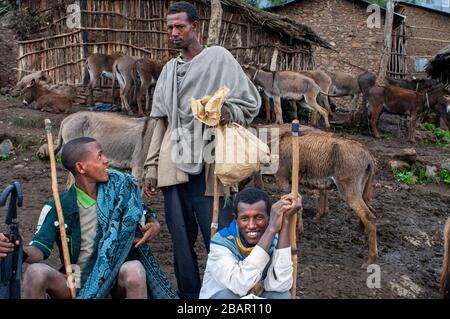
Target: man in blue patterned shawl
107	228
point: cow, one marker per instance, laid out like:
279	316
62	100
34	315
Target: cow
401	101
46	100
122	72
326	160
124	139
287	85
98	65
145	73
445	275
344	84
418	85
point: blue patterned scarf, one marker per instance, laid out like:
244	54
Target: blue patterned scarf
119	210
230	238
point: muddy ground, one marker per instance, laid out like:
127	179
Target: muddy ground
410	218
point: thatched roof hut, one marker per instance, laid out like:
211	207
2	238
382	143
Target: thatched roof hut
439	66
138	28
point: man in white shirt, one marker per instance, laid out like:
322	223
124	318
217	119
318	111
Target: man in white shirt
253	254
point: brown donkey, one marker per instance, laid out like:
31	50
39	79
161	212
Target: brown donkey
122	72
97	65
326	160
46	100
146	72
401	101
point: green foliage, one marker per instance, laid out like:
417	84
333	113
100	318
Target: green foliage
442	136
31	21
4	157
444	176
417	176
406	177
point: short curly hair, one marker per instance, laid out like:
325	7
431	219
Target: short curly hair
186	7
250	196
74	151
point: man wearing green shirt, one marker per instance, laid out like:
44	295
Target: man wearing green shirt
103	215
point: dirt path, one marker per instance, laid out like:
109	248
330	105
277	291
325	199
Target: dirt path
410	219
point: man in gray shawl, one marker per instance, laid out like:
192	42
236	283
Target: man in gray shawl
178	161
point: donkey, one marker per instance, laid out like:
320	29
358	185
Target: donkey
287	85
97	65
46	100
344	84
401	101
122	71
419	85
146	72
323	80
326	160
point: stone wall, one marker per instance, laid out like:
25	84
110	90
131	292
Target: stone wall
417	17
343	23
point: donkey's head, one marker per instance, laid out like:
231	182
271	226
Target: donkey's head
31	92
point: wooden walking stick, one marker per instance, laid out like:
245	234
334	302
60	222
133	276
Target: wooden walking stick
293	221
215	218
62	229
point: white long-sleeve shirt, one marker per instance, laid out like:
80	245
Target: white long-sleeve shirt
225	271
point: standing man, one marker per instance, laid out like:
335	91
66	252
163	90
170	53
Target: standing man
176	158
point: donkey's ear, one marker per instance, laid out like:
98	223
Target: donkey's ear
32	83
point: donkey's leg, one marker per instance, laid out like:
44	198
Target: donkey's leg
139	100
311	100
93	78
278	111
266	102
126	96
315	116
353	197
147	100
375	113
412	128
323	205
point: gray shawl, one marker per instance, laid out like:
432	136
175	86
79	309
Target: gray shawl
203	75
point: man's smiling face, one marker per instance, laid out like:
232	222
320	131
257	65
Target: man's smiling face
252	220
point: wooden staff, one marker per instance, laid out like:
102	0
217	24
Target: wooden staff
293	221
62	229
215	217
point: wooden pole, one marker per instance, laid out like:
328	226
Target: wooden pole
215	218
62	229
215	22
386	56
293	221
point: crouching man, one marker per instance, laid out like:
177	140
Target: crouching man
103	212
252	255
